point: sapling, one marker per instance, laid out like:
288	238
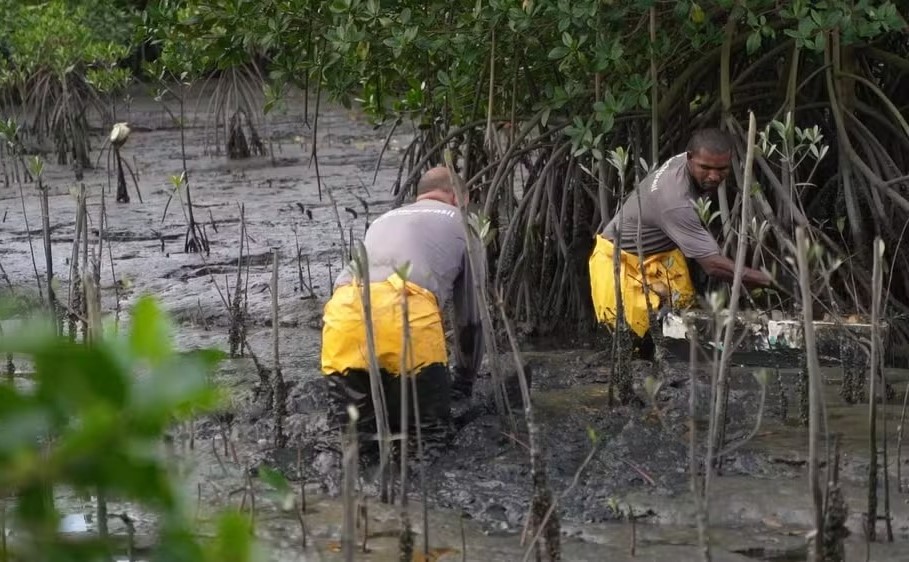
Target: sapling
481	231
334	207
302	283
360	270
76	298
236	332
363	515
421	456
899	441
36	166
835	511
314	155
719	420
264	376
280	391
620	376
93	312
10	133
700	500
406	538
814	394
543	521
350	458
874	394
195	240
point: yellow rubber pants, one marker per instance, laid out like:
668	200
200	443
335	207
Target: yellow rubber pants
666	273
344	328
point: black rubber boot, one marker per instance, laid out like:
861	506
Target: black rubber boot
353	389
462	384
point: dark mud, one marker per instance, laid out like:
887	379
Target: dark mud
760	509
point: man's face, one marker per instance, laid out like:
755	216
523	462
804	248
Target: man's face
708	169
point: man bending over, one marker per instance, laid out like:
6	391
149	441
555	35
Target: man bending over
671	231
430	235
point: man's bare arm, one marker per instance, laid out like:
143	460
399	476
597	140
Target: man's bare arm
721	267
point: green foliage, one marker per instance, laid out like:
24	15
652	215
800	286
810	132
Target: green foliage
423	59
64	36
481	227
168	25
281	492
94	419
61	57
200	36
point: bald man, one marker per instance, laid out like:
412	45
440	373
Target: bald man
429	234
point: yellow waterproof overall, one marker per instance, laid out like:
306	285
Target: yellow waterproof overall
666	273
344	328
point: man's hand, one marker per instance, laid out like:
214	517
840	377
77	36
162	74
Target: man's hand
761	278
787	282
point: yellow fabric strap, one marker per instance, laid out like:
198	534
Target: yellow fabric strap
344	328
666	273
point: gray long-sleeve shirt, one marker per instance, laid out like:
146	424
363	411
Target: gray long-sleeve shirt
430	235
667	215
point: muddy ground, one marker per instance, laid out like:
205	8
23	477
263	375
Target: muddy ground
760	509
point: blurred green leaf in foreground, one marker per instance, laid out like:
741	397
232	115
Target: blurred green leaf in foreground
95	419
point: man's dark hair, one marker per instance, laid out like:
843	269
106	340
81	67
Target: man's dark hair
711	140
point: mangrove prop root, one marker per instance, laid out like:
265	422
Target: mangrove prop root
854	365
835	515
779	393
406	540
802	389
236	333
264	378
622	378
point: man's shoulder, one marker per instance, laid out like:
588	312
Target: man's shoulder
669	184
418	209
668	173
427	206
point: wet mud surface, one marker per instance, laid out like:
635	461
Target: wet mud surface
637	472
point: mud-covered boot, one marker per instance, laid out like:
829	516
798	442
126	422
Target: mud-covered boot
437	437
462	384
513	386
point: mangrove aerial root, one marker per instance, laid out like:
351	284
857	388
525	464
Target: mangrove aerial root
854	363
835	516
624	378
779	392
802	389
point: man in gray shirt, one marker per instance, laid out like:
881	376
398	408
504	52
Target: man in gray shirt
429	235
671	231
